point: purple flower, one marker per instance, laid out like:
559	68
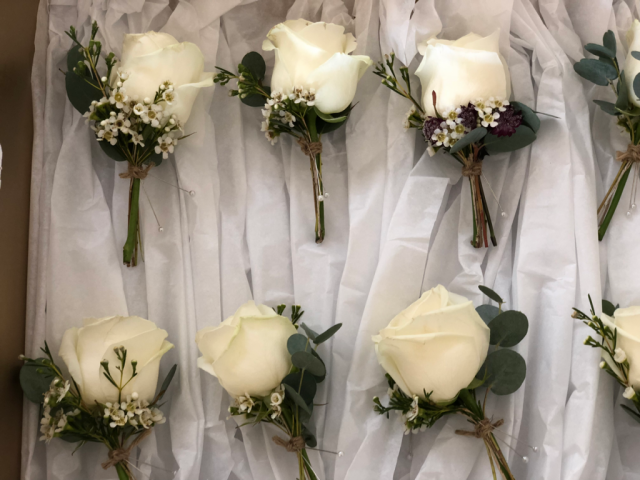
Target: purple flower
509	120
430	126
469	117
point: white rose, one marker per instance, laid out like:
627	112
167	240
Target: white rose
316	55
82	350
248	351
631	65
462	71
437	345
152	58
627	322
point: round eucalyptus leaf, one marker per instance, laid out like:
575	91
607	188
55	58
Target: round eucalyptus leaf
473	136
309	437
529	117
506	370
81	91
599	50
636	85
609	41
522	137
623	93
595	71
307	361
253	100
298	343
509	328
487	312
255	63
608	308
291	394
636	55
307	389
491	294
34	384
607	107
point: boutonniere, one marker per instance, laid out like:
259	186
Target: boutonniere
136	106
619	341
440	351
605	71
110	394
313	83
271	370
465	111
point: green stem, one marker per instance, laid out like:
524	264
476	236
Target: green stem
132	235
614	204
307	465
488	216
318	187
122	472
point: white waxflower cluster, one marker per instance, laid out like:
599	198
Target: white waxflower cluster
245	403
134	411
489	110
57	391
276	401
52	424
121	119
280	108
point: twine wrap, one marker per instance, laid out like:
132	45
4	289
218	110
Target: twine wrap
482	429
294	444
311	149
137	172
631	155
121	455
473	169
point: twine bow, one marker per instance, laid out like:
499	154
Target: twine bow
311	149
137	172
294	444
482	429
631	155
121	455
472	169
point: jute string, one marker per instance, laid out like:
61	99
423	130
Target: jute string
311	149
137	172
482	430
294	444
631	155
121	455
473	169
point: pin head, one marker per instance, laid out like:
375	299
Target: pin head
160	229
192	193
525	459
504	214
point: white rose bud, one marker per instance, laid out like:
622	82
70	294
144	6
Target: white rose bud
437	345
627	323
248	351
82	350
631	65
316	55
152	58
629	393
462	71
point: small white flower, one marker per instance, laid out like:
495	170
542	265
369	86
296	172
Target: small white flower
119	419
137	139
271	136
603	364
122	75
169	96
310	97
165	145
499	104
152	115
108	135
440	137
139	109
451	116
119	97
489	119
287	118
120	122
166	85
277	396
481	106
629	393
458	131
276	411
619	355
415	409
245	403
49	425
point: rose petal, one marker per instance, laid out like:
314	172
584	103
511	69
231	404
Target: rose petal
138	44
213	341
146	382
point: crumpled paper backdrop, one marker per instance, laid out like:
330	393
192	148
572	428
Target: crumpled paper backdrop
398	223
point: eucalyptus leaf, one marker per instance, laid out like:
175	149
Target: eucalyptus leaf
81	91
327	117
475	383
490	293
253	100
297	399
632	413
529	116
112	151
34	384
636	85
308	387
298	343
607	107
636	55
596	72
522	137
310	333
622	101
319	378
74	55
488	312
509	328
599	50
608	308
473	136
327	127
609	41
505	371
255	64
309	437
166	382
306	361
327	334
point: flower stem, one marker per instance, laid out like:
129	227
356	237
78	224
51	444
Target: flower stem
494	242
123	474
614	204
316	173
131	245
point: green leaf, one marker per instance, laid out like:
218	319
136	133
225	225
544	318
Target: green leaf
475	383
636	85
327	117
74	55
319	378
308	387
298	343
255	64
529	117
472	137
34	384
622	101
508	328
253	100
636	55
607	107
490	293
609	41
488	312
310	333
608	308
306	361
309	438
506	370
327	334
326	127
166	383
81	91
631	413
521	138
297	399
599	50
112	151
596	72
